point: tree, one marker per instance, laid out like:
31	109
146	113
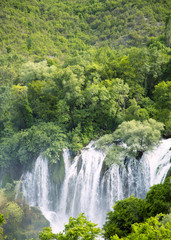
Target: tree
125	212
5	103
168	30
1	229
25	146
77	229
47	234
1	218
21	112
134	111
31	71
139	136
70	83
158	199
162	97
42	98
152	229
14	215
105	101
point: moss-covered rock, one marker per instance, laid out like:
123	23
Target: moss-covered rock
168	173
6	179
58	171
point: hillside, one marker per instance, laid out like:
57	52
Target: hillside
75	66
54	27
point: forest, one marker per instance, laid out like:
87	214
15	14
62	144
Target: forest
73	71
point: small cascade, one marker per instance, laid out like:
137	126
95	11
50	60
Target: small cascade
87	188
36	188
159	161
81	190
35	184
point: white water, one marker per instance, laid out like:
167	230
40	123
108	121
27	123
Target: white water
87	188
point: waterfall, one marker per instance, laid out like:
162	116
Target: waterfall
36	188
35	184
88	188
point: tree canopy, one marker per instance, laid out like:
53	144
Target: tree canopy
77	228
153	228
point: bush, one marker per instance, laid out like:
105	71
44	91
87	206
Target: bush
77	228
45	138
125	213
158	199
152	229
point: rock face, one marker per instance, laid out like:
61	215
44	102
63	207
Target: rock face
87	187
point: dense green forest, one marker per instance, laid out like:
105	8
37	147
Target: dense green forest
81	92
76	70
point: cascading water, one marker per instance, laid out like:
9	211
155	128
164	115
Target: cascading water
36	188
35	185
88	188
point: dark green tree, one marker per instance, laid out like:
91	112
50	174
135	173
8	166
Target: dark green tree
152	229
162	97
125	213
168	30
21	112
1	229
158	199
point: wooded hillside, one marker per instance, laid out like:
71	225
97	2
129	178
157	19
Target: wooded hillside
82	66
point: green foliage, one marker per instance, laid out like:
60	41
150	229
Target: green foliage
134	211
21	112
105	101
139	136
168	30
31	71
42	100
162	96
59	73
134	111
14	215
1	219
25	146
166	218
50	28
1	229
5	103
20	221
158	199
152	229
125	213
131	138
76	139
6	179
47	234
104	141
66	72
77	228
115	155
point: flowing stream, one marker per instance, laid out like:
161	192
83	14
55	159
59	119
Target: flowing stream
87	187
